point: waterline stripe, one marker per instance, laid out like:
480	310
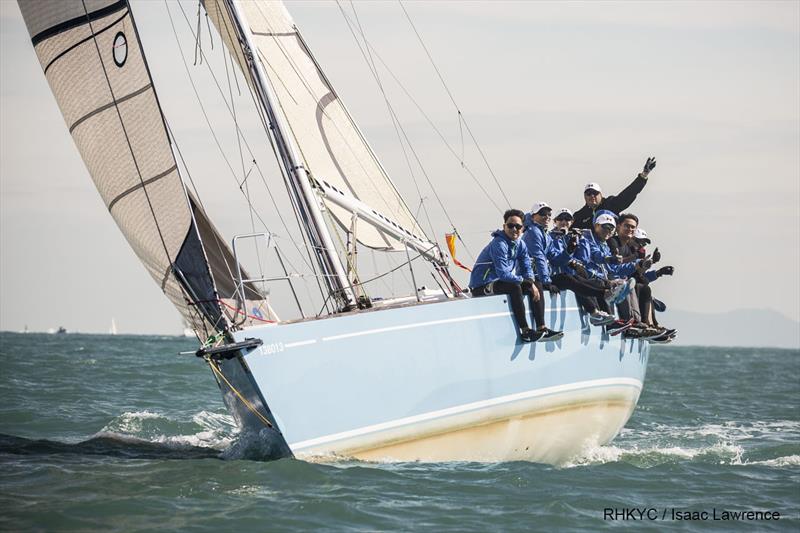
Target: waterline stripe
465	408
416	325
299	343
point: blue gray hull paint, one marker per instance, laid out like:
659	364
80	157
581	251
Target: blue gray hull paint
392	371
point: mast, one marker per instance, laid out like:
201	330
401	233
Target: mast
330	264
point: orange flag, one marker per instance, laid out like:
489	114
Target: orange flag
450	238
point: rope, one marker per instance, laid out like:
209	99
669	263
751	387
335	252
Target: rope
450	94
246	403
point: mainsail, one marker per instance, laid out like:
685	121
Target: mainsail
332	148
95	65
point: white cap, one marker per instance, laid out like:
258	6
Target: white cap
605	219
563	211
538	206
593	186
640	234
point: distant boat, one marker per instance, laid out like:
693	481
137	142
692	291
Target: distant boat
61	329
113	329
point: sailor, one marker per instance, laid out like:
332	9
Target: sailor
504	267
547	251
594	199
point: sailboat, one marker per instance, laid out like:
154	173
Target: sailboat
112	330
433	375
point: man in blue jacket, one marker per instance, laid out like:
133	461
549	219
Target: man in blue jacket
547	251
504	267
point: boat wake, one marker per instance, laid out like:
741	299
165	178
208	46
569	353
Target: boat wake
205	429
104	445
740	444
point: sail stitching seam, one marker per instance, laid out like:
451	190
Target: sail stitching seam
109	105
141	185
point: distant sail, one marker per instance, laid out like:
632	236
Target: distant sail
333	149
113	329
95	65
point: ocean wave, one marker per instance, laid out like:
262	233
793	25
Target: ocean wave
205	429
728	443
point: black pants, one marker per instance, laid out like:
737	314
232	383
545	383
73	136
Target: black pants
645	294
588	292
514	292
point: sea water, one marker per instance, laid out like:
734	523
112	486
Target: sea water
123	433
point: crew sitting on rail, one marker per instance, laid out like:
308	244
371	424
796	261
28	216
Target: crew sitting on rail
640	303
504	267
547	251
593	253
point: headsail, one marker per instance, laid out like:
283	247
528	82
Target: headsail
95	65
332	148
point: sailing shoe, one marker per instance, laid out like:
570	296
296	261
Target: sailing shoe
618	326
663	339
529	335
649	332
550	335
600	318
620	291
635	331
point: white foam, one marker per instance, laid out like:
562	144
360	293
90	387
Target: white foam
217	430
789	460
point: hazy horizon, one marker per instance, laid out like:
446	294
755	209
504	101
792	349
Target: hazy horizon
558	94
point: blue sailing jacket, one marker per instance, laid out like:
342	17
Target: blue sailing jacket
593	253
543	249
502	259
560	257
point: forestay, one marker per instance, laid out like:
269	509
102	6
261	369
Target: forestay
94	63
332	148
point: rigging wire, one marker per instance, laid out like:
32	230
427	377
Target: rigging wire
453	100
405	135
267	128
252	209
317	100
392	115
216	139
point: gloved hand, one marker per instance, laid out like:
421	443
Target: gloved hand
656	256
644	264
649	165
551	288
578	267
572	244
665	271
527	283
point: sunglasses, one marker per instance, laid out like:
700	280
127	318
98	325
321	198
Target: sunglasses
546	214
629	226
608	227
590	193
513	226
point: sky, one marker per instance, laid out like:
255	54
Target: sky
557	95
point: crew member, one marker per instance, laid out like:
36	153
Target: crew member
594	199
504	267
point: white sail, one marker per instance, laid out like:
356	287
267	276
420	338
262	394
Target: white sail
95	65
331	146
